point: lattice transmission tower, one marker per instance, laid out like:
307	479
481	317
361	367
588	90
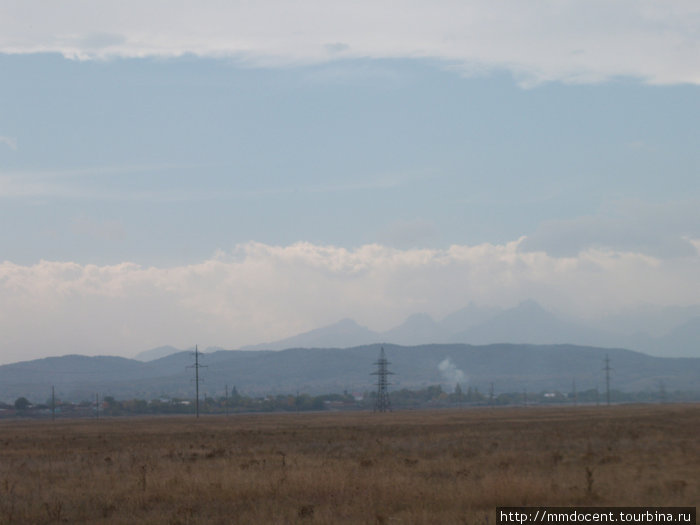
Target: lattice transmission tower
382	403
607	370
196	367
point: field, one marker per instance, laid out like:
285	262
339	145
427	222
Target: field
406	467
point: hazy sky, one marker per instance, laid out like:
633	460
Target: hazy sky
226	173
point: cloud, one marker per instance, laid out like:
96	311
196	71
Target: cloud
573	41
77	183
661	230
337	47
98	42
10	142
262	292
71	183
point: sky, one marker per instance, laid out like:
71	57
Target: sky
229	173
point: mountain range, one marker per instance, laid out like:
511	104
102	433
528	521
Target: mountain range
521	347
670	332
511	368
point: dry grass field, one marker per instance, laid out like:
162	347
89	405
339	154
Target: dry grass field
405	467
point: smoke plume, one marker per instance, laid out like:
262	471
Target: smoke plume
450	373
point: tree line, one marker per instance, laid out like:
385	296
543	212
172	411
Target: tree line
235	402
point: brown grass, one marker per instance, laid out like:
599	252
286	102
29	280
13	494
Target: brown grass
406	467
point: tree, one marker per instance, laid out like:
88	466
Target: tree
434	392
112	407
22	403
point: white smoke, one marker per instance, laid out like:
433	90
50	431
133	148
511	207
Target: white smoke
451	374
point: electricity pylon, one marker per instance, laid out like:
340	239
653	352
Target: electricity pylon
382	403
196	367
607	379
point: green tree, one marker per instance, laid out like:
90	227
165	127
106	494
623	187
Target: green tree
434	392
22	403
459	396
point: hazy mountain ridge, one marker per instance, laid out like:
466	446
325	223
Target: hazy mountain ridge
345	333
527	323
156	353
512	368
522	347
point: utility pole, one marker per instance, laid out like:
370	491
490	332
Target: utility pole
196	367
53	403
97	406
226	401
491	394
382	403
607	378
662	391
575	393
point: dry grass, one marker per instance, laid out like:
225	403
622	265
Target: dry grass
406	467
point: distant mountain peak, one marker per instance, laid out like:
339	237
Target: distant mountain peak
420	317
344	333
530	305
417	329
527	322
156	353
346	323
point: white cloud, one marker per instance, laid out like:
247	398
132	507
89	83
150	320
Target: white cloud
10	142
70	183
662	230
572	41
261	293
